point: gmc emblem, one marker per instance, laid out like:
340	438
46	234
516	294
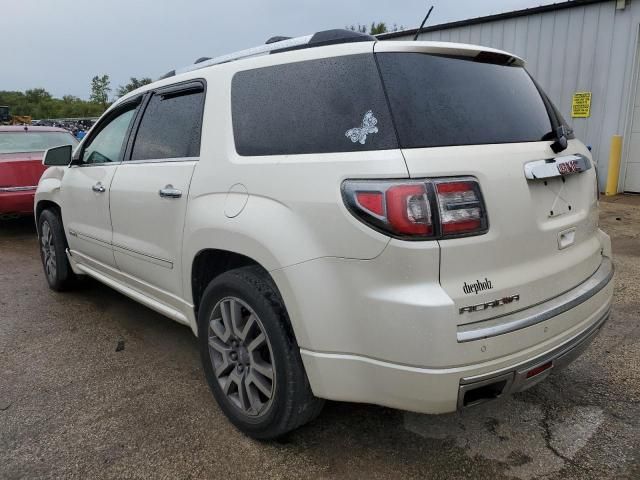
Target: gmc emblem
492	304
570	166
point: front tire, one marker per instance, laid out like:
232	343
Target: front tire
53	247
250	357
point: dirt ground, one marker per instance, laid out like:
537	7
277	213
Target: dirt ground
73	405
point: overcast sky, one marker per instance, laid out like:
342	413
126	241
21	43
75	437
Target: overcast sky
60	45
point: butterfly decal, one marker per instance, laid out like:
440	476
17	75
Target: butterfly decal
359	134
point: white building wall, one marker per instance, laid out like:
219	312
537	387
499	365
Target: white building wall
584	48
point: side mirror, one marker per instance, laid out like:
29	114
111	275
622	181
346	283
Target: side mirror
58	156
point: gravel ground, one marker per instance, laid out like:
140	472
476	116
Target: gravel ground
75	404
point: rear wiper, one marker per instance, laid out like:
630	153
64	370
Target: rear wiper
560	135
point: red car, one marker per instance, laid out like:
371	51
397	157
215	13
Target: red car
21	151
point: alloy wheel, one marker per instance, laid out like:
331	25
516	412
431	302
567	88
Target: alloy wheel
48	251
242	357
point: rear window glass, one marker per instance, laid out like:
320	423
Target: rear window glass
441	101
317	106
170	127
13	142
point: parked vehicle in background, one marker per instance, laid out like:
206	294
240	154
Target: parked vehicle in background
21	150
410	224
73	125
5	117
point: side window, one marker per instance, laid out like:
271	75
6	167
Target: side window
317	106
108	144
170	127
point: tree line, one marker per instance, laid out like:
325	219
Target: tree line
39	103
375	28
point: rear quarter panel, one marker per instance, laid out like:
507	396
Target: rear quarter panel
294	210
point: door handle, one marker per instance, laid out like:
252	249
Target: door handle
99	188
170	192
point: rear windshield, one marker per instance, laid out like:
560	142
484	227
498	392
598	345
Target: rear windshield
317	106
13	142
442	101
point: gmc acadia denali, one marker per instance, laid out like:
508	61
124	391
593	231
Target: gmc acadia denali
410	224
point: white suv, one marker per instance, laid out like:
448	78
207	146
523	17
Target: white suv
410	224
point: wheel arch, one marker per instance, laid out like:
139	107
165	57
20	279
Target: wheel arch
210	263
47	194
43	205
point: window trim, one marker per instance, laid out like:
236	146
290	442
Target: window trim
556	120
162	160
187	87
102	123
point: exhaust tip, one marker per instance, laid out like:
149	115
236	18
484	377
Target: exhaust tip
484	393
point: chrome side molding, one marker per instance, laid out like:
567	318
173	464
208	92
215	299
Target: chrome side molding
556	167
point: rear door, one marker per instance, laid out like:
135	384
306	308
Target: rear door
483	116
150	189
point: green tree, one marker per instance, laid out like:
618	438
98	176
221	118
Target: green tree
375	29
100	88
70	99
37	95
133	84
359	28
40	102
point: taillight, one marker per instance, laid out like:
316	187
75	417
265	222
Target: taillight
419	209
461	210
372	202
408	210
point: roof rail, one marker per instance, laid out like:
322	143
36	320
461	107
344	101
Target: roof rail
282	44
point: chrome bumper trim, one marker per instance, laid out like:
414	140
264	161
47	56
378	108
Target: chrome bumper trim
515	377
18	189
541	312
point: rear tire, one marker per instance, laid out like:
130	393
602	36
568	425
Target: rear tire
250	357
53	245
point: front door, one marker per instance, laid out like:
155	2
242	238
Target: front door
85	190
149	192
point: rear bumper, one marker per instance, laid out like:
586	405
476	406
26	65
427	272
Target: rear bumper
479	389
431	370
17	200
424	390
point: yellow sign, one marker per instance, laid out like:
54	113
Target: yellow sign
581	105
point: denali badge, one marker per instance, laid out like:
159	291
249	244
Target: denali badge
478	286
494	303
